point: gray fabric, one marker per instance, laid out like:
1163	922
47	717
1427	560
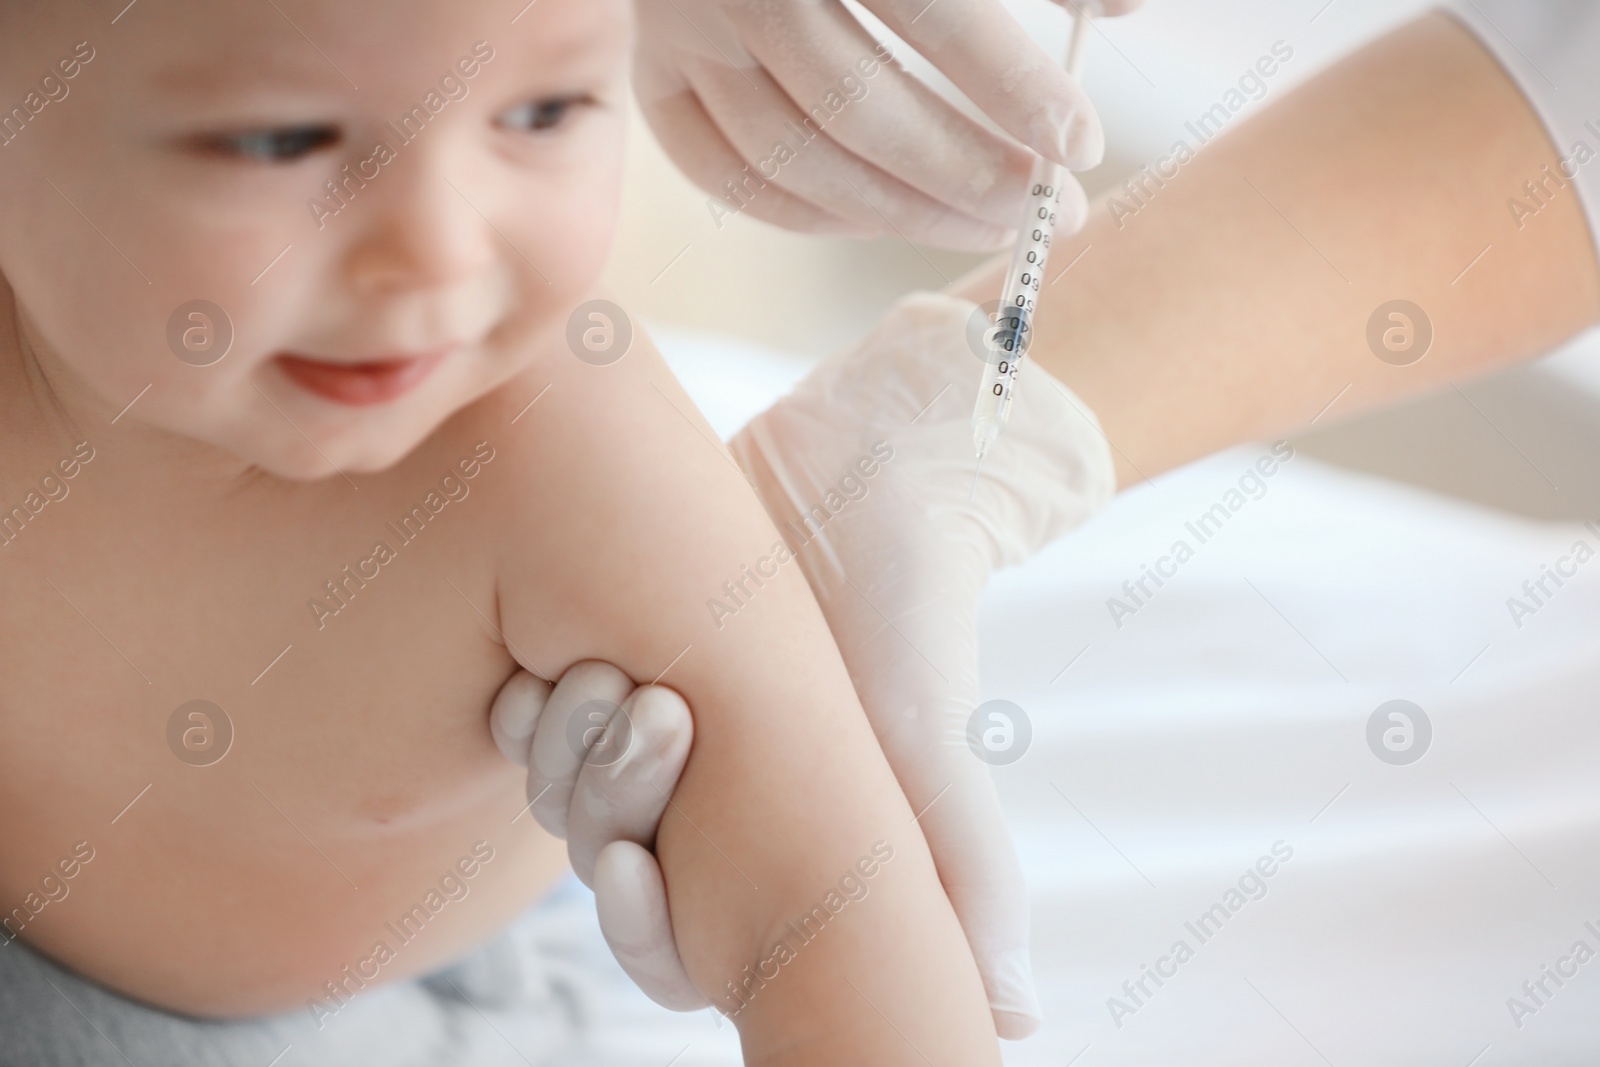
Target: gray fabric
545	993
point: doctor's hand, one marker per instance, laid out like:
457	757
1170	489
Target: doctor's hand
868	469
603	759
791	112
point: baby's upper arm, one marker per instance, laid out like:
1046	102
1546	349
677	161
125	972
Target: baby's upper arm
623	522
621	515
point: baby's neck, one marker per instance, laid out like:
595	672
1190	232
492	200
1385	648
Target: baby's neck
45	405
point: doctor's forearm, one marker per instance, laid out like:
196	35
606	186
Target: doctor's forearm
1234	304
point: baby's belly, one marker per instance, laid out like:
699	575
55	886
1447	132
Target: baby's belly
254	898
361	826
264	897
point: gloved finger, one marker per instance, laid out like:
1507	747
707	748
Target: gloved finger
631	899
515	713
978	866
574	718
922	724
981	48
691	28
693	142
918	681
887	117
625	784
923	732
810	164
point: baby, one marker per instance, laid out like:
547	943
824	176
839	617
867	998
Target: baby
299	466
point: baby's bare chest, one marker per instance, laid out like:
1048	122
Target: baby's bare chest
330	656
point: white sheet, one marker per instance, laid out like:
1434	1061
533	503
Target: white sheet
1227	713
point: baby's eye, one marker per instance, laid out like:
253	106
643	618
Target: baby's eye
541	115
281	145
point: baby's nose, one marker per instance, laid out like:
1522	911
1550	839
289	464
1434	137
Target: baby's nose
419	231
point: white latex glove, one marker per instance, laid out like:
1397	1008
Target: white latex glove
905	546
720	82
603	760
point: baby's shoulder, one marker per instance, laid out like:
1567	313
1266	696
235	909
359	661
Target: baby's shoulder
610	496
579	433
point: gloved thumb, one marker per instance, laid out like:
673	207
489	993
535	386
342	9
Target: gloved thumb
631	899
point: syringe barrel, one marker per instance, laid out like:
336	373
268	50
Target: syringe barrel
1008	340
1013	331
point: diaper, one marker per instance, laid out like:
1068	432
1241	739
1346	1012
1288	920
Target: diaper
545	993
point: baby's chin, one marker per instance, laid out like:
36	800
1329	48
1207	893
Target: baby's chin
376	454
293	468
285	454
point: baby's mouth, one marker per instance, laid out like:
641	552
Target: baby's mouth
360	384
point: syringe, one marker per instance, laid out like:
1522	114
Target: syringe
1012	332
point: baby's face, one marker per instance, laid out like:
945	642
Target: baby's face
390	206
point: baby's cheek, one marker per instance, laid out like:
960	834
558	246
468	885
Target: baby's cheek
578	221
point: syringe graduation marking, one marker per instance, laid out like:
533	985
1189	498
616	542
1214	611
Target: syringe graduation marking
1012	333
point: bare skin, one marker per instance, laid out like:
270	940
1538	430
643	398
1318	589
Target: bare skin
185	559
384	770
1207	319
